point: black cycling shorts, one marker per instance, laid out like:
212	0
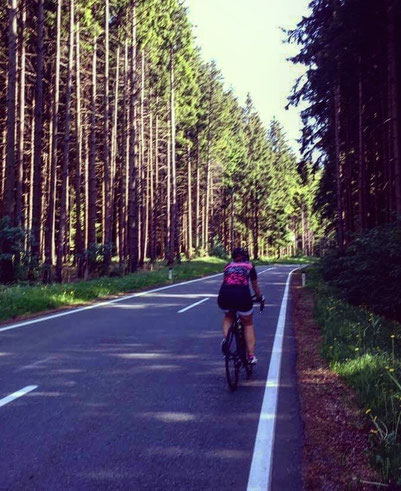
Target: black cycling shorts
235	298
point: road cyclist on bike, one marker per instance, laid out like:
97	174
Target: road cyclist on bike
235	296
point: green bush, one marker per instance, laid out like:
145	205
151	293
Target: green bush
11	250
219	251
369	272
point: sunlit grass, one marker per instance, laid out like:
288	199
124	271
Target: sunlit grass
21	300
286	260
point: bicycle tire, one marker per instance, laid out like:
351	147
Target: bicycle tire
232	361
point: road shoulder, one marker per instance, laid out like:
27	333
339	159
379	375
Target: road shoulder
335	432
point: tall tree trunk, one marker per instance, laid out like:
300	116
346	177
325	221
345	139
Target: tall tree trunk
197	210
62	235
208	194
143	188
21	121
124	162
92	191
3	163
256	230
107	205
79	243
203	221
9	188
232	218
114	142
152	231
303	225
361	156
159	198
132	188
50	222
30	174
168	192
189	194
7	205
173	222
37	165
393	105
340	223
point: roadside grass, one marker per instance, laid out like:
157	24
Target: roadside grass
365	350
286	260
21	300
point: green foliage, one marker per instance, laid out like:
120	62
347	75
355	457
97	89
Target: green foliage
11	246
365	349
369	273
96	258
219	251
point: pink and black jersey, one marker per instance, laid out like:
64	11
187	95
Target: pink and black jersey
239	274
234	292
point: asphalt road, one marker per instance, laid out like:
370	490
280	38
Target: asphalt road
132	395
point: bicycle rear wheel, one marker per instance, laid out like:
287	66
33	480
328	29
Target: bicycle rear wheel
232	360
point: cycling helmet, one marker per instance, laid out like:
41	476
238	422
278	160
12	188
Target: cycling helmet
240	253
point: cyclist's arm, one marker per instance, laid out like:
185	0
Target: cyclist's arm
256	289
254	282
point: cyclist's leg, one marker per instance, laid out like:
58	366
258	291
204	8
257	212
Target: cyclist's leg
247	322
227	321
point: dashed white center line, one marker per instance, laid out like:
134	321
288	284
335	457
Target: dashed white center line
193	305
103	304
16	395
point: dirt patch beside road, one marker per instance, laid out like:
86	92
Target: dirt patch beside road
335	430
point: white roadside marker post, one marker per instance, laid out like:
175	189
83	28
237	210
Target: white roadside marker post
170	274
303	279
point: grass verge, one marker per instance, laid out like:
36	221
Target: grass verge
364	349
286	260
22	301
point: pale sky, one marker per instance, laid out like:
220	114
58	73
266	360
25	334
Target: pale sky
245	40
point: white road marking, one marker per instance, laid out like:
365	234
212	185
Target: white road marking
102	304
36	363
17	394
264	271
262	460
193	305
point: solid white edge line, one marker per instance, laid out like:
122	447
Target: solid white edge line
101	304
16	395
261	467
193	305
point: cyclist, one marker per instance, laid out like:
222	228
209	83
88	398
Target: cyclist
235	296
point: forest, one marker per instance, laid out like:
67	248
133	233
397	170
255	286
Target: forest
351	90
121	147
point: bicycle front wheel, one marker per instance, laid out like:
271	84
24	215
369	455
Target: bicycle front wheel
244	353
248	367
232	361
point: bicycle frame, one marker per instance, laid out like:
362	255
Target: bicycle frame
236	355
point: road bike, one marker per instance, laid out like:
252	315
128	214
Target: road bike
235	351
